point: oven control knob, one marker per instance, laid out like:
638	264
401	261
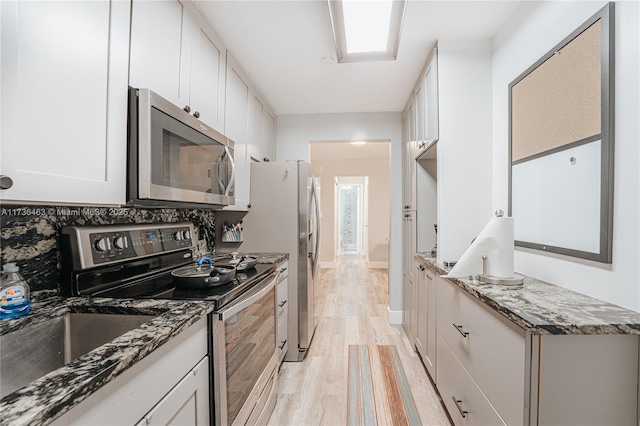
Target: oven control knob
120	242
177	235
186	235
101	244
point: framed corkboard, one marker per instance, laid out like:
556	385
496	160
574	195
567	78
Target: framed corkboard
561	145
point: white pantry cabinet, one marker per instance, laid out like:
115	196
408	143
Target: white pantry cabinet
64	101
410	151
170	386
176	53
409	292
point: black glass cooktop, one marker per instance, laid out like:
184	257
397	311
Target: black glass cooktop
151	279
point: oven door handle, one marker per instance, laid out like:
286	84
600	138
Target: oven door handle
231	311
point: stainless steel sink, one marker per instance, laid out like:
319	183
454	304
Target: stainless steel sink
35	350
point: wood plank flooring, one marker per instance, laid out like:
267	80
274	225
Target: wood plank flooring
352	307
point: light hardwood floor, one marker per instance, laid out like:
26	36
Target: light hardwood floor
352	307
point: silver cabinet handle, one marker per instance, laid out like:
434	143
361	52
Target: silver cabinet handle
460	330
459	407
196	114
5	182
187	108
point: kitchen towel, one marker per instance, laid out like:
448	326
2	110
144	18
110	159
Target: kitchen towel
496	242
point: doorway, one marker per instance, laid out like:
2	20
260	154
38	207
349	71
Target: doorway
352	215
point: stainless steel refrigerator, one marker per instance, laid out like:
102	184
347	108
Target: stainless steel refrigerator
284	217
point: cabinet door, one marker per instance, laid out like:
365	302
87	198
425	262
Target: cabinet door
269	143
187	403
431	98
409	163
421	302
236	122
430	353
64	101
160	55
421	115
208	63
256	120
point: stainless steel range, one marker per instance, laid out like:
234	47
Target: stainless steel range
136	261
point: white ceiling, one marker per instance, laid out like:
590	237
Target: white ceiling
279	44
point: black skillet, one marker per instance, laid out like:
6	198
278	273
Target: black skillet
203	274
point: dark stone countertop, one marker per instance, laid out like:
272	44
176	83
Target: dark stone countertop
52	395
543	308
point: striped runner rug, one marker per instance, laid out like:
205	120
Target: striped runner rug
378	392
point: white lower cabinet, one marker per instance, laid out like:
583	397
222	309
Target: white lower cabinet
491	372
169	386
491	349
426	326
187	403
282	297
464	400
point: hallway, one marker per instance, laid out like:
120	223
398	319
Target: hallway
352	309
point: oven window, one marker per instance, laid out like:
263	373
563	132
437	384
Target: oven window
183	158
250	343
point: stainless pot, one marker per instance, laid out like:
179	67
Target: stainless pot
203	274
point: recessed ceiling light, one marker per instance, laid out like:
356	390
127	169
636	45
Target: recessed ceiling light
366	30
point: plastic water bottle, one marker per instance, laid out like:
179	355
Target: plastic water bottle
14	293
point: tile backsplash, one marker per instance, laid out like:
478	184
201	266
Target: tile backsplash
30	235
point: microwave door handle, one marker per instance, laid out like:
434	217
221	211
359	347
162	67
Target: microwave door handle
232	179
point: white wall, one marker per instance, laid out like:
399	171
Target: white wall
296	131
534	31
464	146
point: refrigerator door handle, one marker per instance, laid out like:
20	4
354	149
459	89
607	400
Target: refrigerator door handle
316	204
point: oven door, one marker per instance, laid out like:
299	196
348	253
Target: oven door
244	352
179	159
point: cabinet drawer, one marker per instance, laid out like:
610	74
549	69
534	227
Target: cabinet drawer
464	400
282	294
282	337
490	348
284	270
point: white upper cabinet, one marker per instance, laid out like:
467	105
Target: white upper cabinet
269	142
236	122
175	53
409	157
256	123
426	98
158	51
431	98
64	101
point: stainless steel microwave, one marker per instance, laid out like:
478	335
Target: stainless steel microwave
174	159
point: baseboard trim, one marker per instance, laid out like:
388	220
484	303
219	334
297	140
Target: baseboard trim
328	265
378	265
395	317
